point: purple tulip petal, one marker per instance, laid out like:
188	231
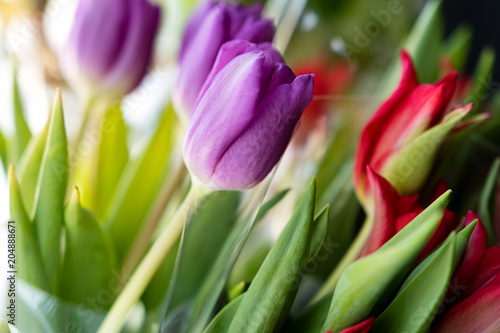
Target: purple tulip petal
129	69
95	47
256	151
194	23
231	50
205	44
256	31
210	133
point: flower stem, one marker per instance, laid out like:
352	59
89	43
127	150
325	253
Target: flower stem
142	241
143	274
347	259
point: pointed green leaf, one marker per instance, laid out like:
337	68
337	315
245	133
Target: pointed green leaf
22	132
139	184
461	240
3	151
29	167
365	281
487	200
408	169
413	309
458	45
320	231
216	278
223	320
27	248
89	258
423	43
50	194
269	298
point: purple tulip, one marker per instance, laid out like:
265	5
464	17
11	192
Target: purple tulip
245	117
213	24
110	46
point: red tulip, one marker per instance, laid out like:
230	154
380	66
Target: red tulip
410	111
362	327
477	313
390	213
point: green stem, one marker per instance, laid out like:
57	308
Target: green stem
347	259
148	266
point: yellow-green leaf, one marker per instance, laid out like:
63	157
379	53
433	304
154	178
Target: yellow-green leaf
139	184
29	167
22	132
28	260
89	258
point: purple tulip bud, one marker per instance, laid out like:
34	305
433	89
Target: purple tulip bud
110	46
245	118
213	24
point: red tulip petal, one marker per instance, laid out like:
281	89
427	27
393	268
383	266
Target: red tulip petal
477	313
377	125
447	224
474	252
403	220
407	204
362	327
384	218
490	267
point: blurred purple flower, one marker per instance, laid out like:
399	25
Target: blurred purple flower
245	116
212	24
110	46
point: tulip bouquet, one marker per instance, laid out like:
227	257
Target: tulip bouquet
263	199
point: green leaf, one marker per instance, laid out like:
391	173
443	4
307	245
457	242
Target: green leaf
320	231
22	132
89	258
370	278
30	166
269	298
98	176
413	309
50	194
3	151
4	327
39	311
139	184
256	248
236	291
312	319
457	46
217	276
204	236
487	200
223	320
480	90
27	247
423	43
408	169
461	240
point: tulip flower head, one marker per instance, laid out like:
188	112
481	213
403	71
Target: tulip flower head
399	122
110	46
245	117
213	24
